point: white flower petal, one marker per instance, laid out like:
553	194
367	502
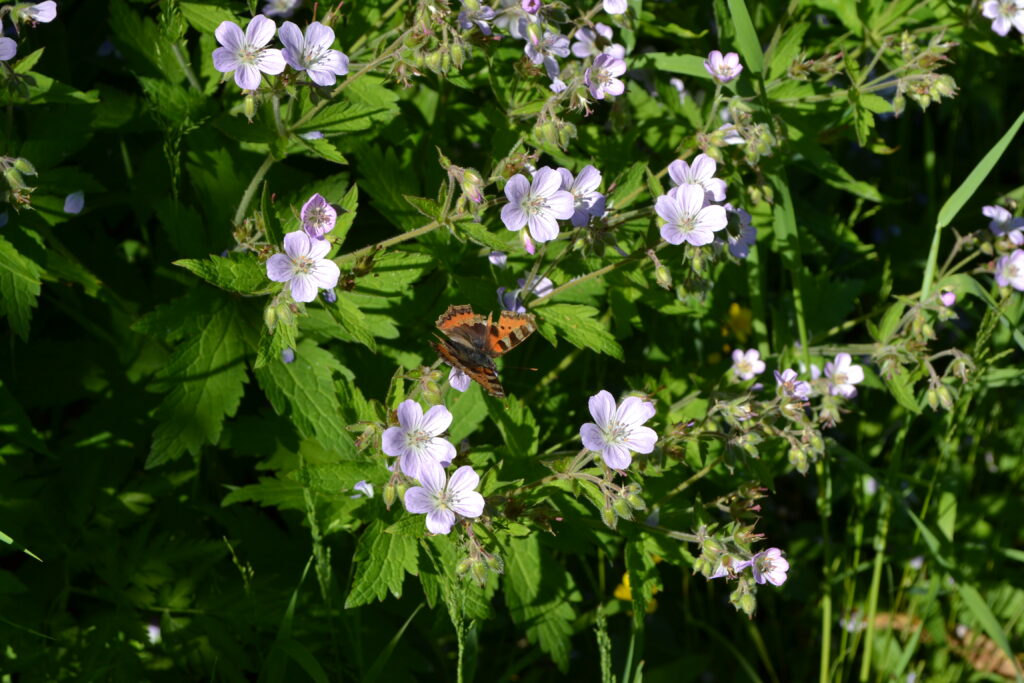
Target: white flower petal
410	414
464	479
546	182
418	501
469	504
392	442
440	521
248	77
325	274
271	61
303	288
641	440
291	37
602	408
229	35
297	244
260	31
436	420
616	457
280	268
592	438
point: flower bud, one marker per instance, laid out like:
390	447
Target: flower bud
433	61
494	563
250	107
663	277
14	179
390	494
463	567
479	572
458	54
748	603
933	398
622	509
270	316
25	166
945	397
609	518
798	459
472	185
534	33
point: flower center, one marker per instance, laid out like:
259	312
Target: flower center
1012	271
744	366
840	378
304	265
417	439
533	206
615	433
317	217
248	54
1008	8
314	54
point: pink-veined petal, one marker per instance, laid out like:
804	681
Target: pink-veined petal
303	288
436	420
248	77
567	178
410	414
642	439
588	179
271	61
291	36
679	172
667	208
561	204
513	216
280	268
546	182
225	60
464	479
320	36
441	450
703	168
318	249
691	199
543	227
602	408
440	521
297	244
617	457
321	76
392	442
229	35
325	274
432	477
469	504
260	31
591	437
418	501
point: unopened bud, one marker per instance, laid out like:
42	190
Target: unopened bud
390	494
462	567
622	509
945	397
798	459
933	399
494	563
458	54
25	166
748	603
14	179
270	316
472	185
250	107
534	33
663	277
479	572
609	518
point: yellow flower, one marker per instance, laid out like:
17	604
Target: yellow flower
740	322
624	592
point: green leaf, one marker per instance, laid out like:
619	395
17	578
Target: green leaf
382	560
367	104
962	282
516	424
787	49
746	37
352	324
539	600
479	234
205	377
42	89
205	18
989	623
394	271
947	514
576	323
426	207
303	390
272	344
902	389
628	186
324	149
469	409
643	579
283	494
19	287
340	477
890	320
350	202
243	273
688	65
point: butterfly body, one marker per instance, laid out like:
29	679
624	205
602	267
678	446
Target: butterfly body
473	342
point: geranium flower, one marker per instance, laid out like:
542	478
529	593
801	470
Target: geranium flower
615	6
312	53
545	50
318	216
246	54
587	201
1010	270
791	386
458	380
281	8
440	501
723	69
688	217
769	566
844	375
1004	15
602	78
474	14
591	42
8	48
747	364
510	299
701	173
618	430
416	441
539	204
498	259
74	202
303	266
40	13
1003	223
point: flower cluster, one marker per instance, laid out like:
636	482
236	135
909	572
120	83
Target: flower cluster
1009	233
552	195
687	210
38	13
423	455
248	57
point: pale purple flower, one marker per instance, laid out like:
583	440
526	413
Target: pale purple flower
790	385
591	42
1010	270
844	375
329	295
602	78
441	500
510	300
513	19
701	173
545	50
318	216
312	53
498	259
8	48
416	441
587	201
730	134
288	356
688	217
312	135
539	205
1004	15
769	565
557	85
740	244
1004	223
530	6
304	266
747	364
528	244
815	370
948	298
362	488
246	54
74	202
478	16
458	380
728	566
618	430
41	13
723	69
615	6
281	8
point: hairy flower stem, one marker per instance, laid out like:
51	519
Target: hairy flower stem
250	191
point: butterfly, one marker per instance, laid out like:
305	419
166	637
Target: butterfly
474	342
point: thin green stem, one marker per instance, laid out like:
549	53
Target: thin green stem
190	75
276	105
250	191
384	244
824	512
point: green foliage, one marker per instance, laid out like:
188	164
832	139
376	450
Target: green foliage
381	562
